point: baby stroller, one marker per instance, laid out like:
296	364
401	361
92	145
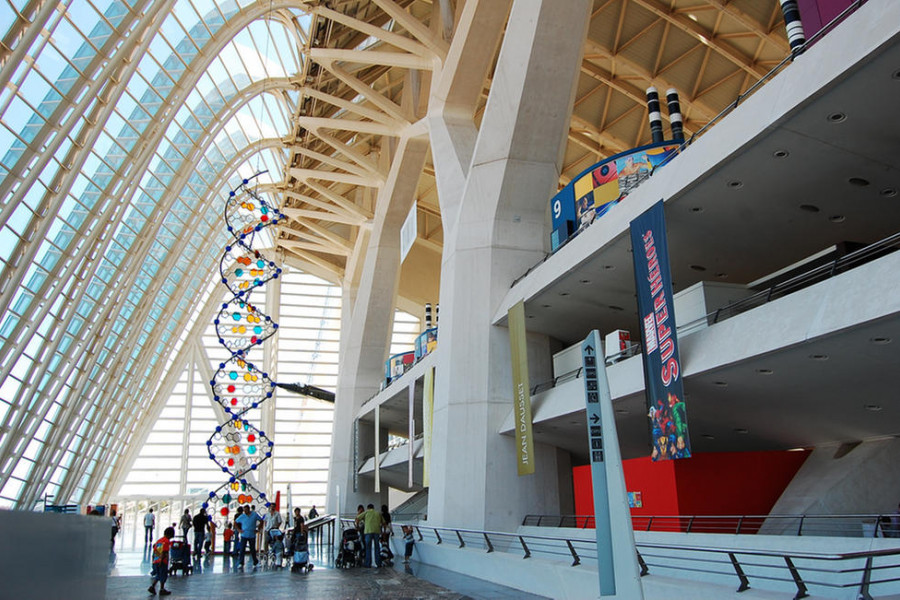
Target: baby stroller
180	558
300	553
276	548
350	552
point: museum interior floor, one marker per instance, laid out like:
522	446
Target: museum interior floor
216	578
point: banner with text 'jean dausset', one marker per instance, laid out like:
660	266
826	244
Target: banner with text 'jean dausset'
662	364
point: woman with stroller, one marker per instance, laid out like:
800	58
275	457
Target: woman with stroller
300	545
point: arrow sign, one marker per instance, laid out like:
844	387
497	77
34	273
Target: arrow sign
595	419
588	350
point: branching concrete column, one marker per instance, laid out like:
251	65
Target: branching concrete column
500	231
365	338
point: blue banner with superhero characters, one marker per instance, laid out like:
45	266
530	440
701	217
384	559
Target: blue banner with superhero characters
662	364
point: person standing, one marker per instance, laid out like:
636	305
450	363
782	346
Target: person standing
313	513
248	523
372	520
149	526
116	525
895	523
409	542
200	524
273	521
185	524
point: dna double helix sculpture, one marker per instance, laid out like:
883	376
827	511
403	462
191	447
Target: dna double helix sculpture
237	446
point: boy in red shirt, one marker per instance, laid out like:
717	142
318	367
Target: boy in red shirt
227	536
161	562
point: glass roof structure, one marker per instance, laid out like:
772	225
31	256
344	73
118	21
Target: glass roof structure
121	126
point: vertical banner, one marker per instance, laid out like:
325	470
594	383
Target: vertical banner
412	434
662	364
427	414
521	390
377	449
617	566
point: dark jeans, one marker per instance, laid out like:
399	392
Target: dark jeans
199	536
252	542
409	547
372	549
148	534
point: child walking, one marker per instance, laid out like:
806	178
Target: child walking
227	536
161	562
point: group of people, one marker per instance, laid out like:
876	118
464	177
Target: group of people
375	529
247	525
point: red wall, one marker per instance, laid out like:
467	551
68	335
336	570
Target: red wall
727	483
815	14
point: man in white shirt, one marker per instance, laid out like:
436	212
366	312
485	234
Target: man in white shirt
149	526
273	521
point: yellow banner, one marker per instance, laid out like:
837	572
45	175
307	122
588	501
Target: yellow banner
427	415
521	391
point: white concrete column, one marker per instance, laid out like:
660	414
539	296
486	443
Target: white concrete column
365	338
499	233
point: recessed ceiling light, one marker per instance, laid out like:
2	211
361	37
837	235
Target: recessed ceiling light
781	154
873	407
809	208
696	209
545	306
888	192
585	281
765	371
564	293
614	307
858	181
741	430
837	117
530	316
881	341
720	383
735	184
698	268
796	449
621	411
821	357
895	74
837	218
707	436
609	267
722	275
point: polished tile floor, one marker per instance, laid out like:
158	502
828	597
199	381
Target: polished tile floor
217	579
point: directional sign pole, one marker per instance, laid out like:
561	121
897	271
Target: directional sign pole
617	566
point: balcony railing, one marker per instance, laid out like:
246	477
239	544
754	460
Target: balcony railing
829	572
860	525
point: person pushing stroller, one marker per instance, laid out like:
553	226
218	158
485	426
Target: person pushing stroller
299	545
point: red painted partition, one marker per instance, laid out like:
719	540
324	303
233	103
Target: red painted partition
727	483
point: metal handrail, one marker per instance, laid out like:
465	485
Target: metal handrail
818	525
745	565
